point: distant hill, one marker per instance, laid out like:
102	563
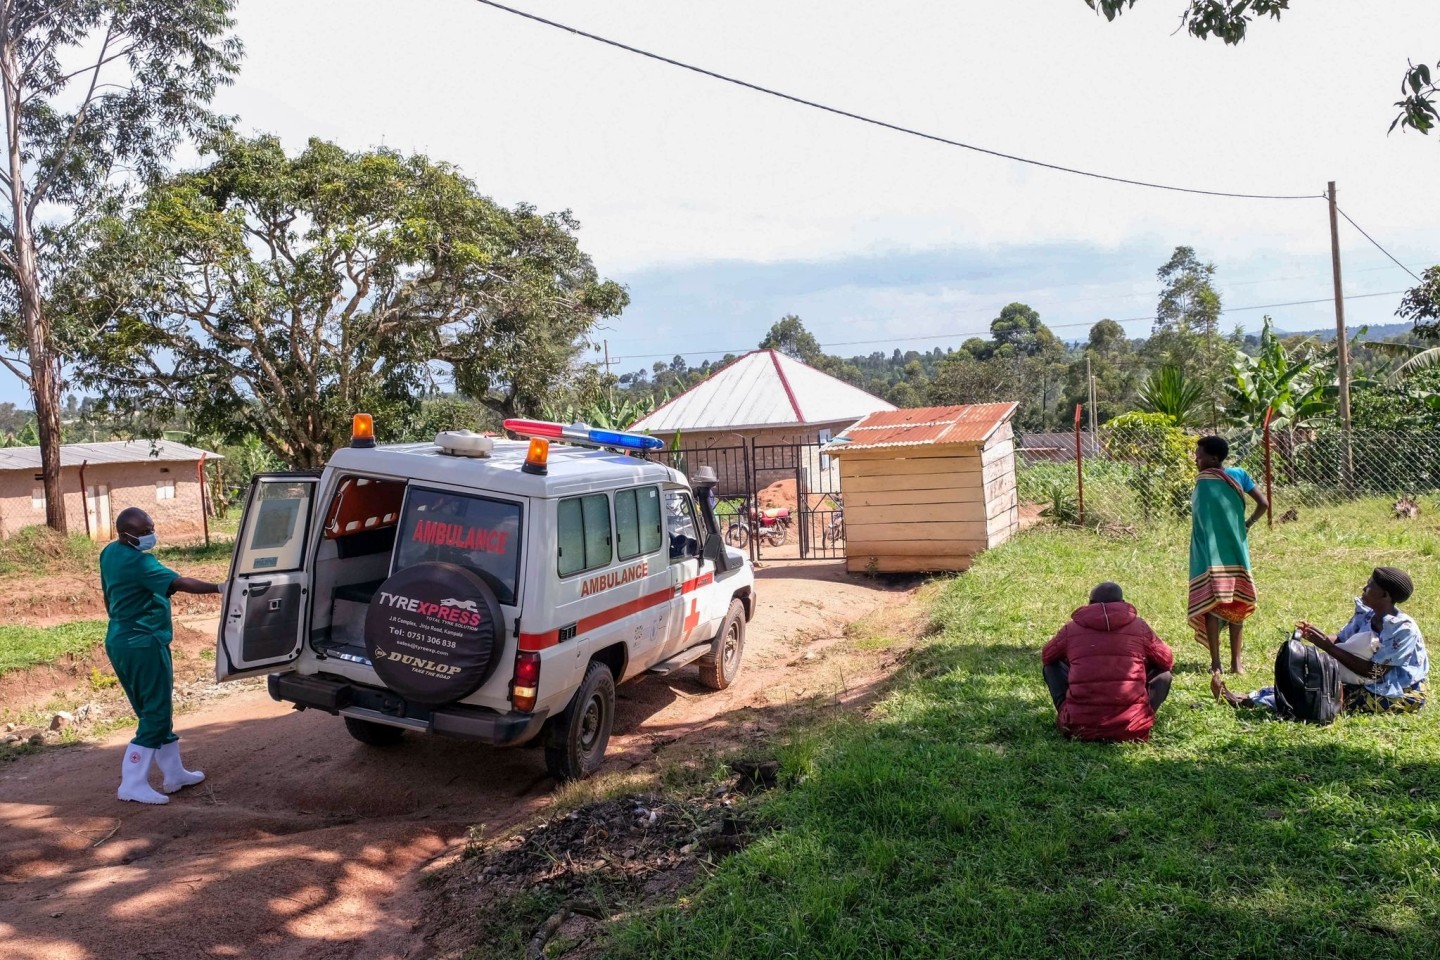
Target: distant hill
1379	331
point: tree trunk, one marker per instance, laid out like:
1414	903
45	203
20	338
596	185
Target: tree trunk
44	380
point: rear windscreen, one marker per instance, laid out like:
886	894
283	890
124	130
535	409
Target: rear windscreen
477	533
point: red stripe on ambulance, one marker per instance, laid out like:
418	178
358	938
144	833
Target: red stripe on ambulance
532	642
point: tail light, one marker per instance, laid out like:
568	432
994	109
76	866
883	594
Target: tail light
526	684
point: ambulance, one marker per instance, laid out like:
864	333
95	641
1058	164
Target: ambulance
484	588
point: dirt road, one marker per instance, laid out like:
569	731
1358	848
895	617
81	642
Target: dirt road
305	844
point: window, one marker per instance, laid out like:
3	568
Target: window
37	498
680	524
164	489
477	533
637	522
584	533
273	540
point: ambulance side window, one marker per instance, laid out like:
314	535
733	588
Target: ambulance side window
637	522
683	530
584	524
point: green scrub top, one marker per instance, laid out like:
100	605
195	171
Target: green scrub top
137	596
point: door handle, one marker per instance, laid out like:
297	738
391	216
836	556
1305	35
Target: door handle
256	589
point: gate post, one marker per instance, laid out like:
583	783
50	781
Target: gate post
1079	469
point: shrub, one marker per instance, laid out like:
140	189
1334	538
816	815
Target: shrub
1160	461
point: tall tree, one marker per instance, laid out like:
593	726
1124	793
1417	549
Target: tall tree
275	295
1186	334
97	93
1018	327
789	336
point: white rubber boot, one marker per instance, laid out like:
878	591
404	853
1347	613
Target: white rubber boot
134	776
167	758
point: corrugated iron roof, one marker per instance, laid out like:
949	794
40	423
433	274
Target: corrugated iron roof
764	388
924	426
115	451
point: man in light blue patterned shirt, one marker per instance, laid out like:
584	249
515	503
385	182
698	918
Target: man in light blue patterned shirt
1396	676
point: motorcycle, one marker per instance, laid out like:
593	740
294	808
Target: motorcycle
834	531
771	524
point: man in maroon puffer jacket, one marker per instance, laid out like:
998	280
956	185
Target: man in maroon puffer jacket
1107	670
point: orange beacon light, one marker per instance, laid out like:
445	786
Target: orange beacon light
537	458
362	431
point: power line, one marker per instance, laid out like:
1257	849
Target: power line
885	124
618	358
1377	244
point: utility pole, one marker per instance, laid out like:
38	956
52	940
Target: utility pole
1342	345
609	386
1090	382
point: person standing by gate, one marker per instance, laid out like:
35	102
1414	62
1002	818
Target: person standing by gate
1221	588
137	590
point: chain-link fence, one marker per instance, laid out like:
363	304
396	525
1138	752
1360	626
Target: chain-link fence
1121	489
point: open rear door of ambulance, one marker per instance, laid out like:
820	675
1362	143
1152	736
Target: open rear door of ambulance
262	627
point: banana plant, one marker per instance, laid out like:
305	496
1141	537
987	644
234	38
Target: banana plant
1416	358
1296	385
1169	391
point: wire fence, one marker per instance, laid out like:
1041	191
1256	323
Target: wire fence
1303	471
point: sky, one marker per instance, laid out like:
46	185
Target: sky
722	209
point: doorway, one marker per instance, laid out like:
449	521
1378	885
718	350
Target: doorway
97	510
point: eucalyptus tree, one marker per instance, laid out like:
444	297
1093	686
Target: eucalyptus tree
97	94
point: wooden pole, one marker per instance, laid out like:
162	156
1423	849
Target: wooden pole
1079	469
1269	478
1342	345
85	501
204	505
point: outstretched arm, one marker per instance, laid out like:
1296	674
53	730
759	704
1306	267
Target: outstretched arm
191	585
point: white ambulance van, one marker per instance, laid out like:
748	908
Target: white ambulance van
483	588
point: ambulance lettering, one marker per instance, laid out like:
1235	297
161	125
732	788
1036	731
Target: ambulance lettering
615	578
440	534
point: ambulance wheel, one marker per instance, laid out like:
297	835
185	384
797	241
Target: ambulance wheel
575	740
719	667
375	734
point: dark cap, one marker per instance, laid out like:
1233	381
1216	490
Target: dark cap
1395	582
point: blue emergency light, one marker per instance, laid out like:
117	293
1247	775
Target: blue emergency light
582	433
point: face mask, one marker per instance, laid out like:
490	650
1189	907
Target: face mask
147	542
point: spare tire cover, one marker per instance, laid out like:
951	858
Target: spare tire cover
434	632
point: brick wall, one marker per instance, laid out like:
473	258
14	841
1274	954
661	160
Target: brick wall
177	516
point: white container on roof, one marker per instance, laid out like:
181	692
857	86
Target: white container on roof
764	388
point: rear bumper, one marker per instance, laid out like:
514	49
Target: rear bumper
339	697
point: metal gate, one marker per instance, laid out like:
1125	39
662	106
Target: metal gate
756	481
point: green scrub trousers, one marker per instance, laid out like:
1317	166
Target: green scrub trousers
147	676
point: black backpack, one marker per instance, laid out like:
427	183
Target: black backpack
1307	684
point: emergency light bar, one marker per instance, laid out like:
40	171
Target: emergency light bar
583	434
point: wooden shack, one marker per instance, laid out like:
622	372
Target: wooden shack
926	489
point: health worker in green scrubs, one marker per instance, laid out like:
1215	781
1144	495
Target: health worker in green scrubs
137	597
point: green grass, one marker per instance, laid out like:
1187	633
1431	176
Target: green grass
22	647
954	821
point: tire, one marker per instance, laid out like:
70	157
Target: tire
737	536
720	667
575	740
373	734
777	535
